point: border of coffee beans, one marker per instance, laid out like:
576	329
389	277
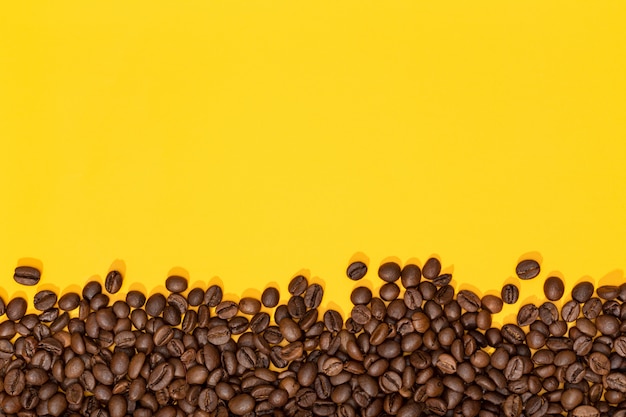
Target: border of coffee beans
426	351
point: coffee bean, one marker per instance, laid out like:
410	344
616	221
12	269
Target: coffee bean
553	288
431	268
176	284
585	411
356	270
468	300
313	296
298	285
389	291
27	275
249	305
570	311
389	271
527	314
44	300
582	291
16	308
510	294
410	276
213	296
270	297
361	295
492	303
227	309
527	269
113	282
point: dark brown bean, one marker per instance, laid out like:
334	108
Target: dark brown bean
431	269
510	294
113	282
27	275
176	284
356	270
527	269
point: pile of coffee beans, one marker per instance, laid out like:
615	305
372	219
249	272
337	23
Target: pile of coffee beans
417	348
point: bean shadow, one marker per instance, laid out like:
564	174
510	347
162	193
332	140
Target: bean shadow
534	255
34	262
414	261
615	277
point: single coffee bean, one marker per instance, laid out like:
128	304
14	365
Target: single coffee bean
492	303
270	297
431	268
16	308
443	279
389	291
356	270
527	269
585	411
527	314
227	309
510	294
468	300
213	296
389	271
313	296
27	275
249	305
361	295
570	311
241	404
176	284
298	285
410	276
553	288
113	282
582	291
44	300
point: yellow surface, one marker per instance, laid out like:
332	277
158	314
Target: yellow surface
244	141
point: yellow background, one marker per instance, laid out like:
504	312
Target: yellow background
245	141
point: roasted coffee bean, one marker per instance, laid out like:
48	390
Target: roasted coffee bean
361	295
44	300
468	300
213	296
492	303
553	288
570	311
389	271
431	268
298	285
16	308
389	291
176	284
270	297
410	276
226	309
356	270
249	305
510	294
527	314
582	291
527	269
27	275
313	296
113	282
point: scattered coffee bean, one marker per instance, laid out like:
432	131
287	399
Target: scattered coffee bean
176	284
527	269
27	275
356	270
421	351
510	294
431	268
553	288
113	282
